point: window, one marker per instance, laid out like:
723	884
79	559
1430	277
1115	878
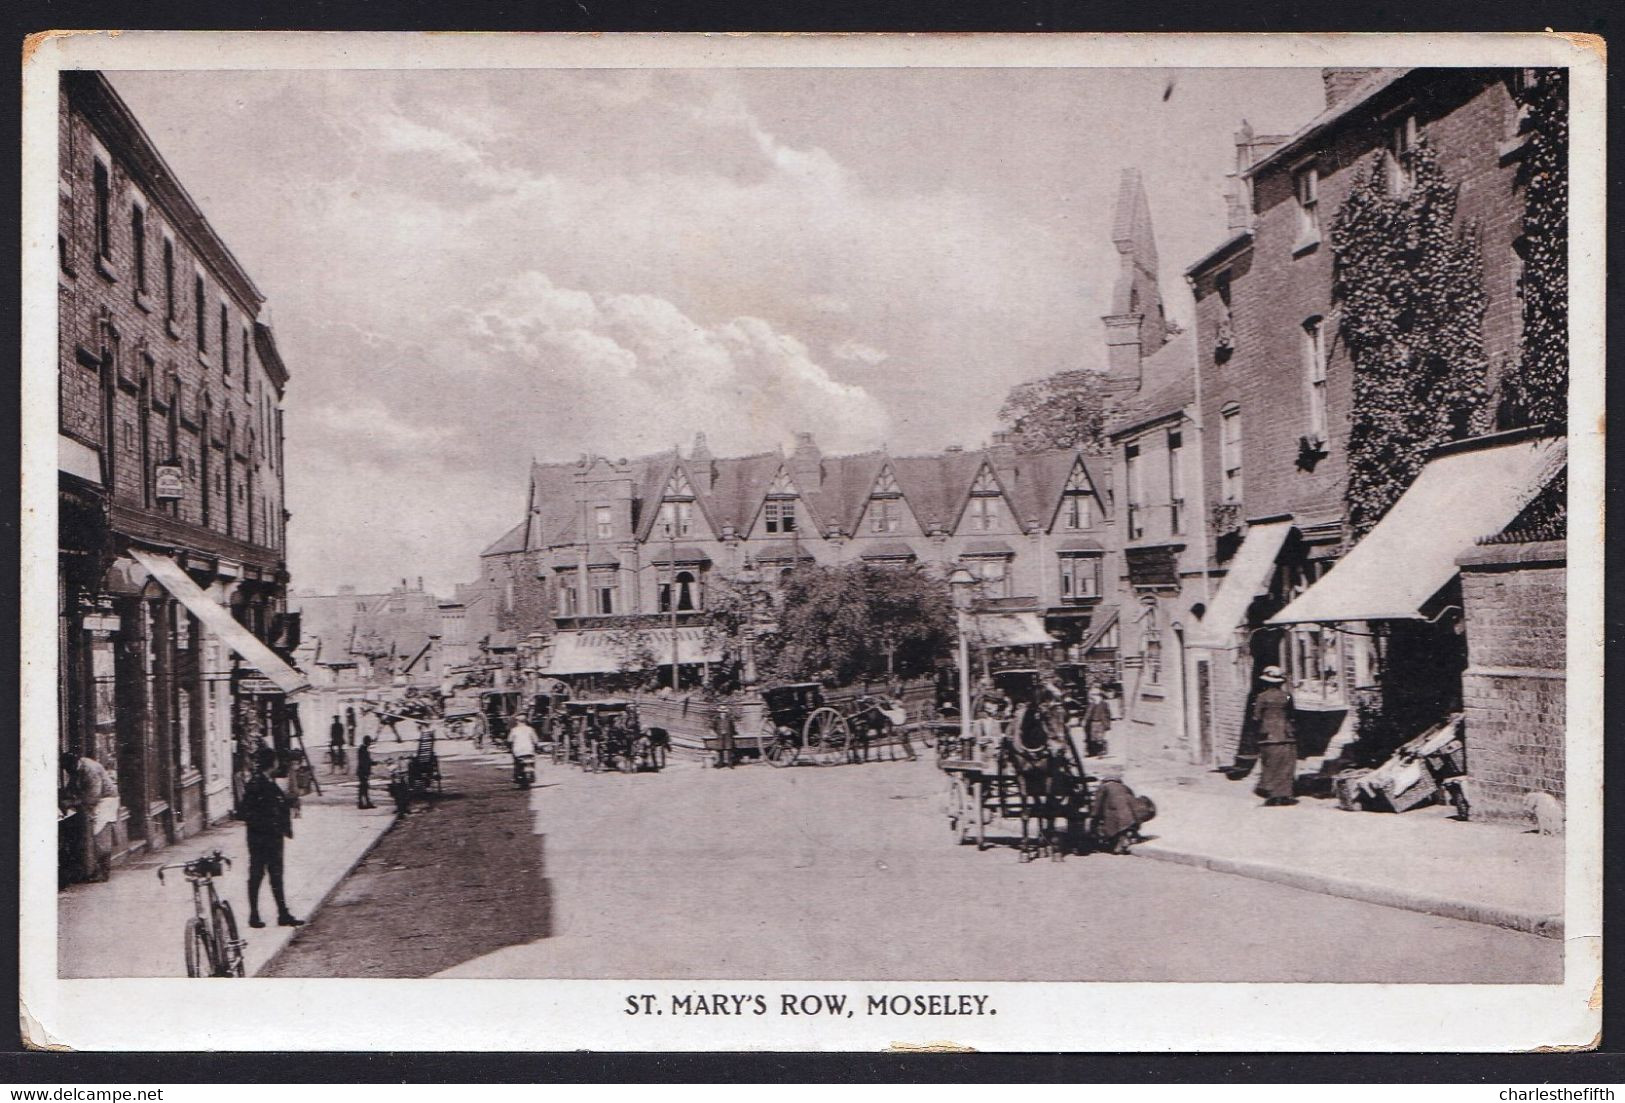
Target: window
568	597
885	515
993	574
601	589
1402	137
684	588
202	318
1176	482
983	512
169	279
676	518
225	341
1306	187
102	182
1230	453
1314	362
779	516
1311	655
138	246
1076	511
247	367
1131	477
1080	577
603	521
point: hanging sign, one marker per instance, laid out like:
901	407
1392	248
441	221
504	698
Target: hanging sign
169	482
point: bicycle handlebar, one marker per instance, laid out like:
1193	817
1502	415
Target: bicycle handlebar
207	865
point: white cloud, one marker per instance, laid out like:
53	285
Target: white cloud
860	352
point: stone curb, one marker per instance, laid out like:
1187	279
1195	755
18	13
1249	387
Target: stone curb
1546	926
327	895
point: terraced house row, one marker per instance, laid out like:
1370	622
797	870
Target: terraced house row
602	538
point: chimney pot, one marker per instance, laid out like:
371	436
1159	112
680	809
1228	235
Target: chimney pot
1340	82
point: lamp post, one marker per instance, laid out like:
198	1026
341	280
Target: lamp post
748	577
962	584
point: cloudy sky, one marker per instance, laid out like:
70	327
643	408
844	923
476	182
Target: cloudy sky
466	269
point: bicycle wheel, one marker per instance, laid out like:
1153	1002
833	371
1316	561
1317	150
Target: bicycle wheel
228	946
199	952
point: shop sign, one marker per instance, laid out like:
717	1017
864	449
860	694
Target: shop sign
257	686
169	482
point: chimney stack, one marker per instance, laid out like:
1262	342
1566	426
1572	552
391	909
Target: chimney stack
1340	82
807	463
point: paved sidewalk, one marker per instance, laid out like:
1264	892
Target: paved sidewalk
131	925
1422	860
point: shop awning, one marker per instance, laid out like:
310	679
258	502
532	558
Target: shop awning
1010	630
1248	576
1459	497
595	651
1105	618
218	620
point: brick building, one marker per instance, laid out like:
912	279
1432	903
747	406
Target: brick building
647	537
172	569
1156	469
1274	397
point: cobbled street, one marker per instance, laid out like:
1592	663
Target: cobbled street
833	873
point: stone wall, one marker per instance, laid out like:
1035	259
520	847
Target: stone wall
1514	601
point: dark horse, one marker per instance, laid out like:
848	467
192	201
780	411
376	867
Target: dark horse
1039	753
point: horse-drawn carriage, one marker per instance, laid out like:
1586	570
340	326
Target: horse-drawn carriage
605	734
1024	766
801	727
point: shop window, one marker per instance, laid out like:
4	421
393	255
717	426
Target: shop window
1312	656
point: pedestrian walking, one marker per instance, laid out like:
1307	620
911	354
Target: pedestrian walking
1277	742
264	808
726	732
335	745
92	795
363	773
522	746
1097	724
349	724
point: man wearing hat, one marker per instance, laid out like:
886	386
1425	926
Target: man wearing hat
1277	745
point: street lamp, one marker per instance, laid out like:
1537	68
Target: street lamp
962	585
748	577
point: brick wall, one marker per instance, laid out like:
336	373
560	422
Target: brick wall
125	356
1514	599
518	573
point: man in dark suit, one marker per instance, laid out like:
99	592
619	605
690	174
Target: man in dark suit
363	773
264	809
726	731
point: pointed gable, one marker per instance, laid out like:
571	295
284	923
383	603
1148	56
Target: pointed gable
987	505
886	510
1080	483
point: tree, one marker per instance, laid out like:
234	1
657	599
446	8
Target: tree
840	623
1064	410
1411	289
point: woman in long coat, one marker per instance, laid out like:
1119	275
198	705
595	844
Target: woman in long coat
1277	743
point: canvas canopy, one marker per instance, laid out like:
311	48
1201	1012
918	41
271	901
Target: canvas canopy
600	652
1249	576
1009	630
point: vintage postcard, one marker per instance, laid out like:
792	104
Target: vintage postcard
651	542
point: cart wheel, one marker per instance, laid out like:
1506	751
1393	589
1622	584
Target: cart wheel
780	752
827	736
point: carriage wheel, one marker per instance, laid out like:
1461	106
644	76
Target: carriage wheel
960	810
780	752
827	736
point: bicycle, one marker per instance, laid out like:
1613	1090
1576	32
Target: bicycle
212	941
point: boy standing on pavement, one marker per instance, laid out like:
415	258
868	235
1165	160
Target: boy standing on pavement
265	810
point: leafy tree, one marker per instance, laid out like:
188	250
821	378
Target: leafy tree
1411	288
840	623
1536	389
1064	410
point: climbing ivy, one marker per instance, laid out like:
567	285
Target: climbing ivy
1410	286
1537	388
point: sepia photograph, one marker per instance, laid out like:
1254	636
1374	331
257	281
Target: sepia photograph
813	540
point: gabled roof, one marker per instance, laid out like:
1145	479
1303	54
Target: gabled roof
511	541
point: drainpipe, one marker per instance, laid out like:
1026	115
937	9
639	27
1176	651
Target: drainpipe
1200	423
